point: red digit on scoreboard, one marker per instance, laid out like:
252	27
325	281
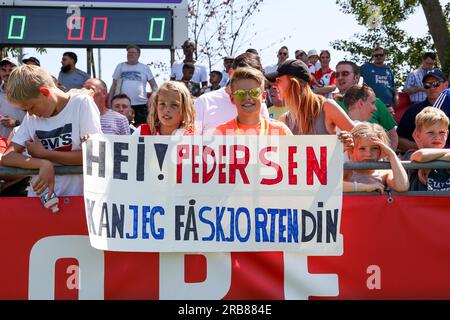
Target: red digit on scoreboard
94	27
75	21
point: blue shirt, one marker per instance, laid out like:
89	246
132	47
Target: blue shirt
73	80
443	103
381	80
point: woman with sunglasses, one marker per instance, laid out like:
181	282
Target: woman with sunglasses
308	113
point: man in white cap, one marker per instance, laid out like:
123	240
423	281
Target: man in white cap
227	63
10	115
313	61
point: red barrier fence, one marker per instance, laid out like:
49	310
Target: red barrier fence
396	250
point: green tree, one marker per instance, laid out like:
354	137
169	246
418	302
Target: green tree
221	27
382	18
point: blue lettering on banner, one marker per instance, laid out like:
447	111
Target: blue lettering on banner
218	224
261	225
206	221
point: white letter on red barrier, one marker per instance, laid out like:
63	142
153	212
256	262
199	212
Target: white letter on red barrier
374	281
47	251
299	284
173	286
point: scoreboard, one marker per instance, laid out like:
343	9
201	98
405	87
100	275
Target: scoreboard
99	27
146	23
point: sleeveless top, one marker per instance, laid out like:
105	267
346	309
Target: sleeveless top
319	126
366	178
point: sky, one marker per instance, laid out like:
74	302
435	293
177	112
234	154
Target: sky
294	23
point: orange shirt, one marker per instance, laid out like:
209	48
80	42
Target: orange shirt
265	127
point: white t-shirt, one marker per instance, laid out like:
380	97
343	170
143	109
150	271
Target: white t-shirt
215	108
271	68
225	78
63	132
200	73
135	78
10	110
313	68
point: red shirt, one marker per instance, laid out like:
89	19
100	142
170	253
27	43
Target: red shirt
145	131
3	145
325	78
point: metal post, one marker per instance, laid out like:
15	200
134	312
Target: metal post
172	56
93	63
88	62
99	64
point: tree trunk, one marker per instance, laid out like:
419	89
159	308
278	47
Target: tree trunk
438	27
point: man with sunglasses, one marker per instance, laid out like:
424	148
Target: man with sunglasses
200	75
301	55
434	83
283	55
347	75
380	78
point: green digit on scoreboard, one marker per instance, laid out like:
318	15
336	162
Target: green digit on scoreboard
153	21
11	27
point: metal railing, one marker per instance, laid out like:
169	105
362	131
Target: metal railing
380	165
62	170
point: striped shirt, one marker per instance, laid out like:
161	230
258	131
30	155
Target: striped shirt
114	123
414	79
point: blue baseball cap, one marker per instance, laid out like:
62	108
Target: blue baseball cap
435	73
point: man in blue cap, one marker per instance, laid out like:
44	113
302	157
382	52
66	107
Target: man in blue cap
435	85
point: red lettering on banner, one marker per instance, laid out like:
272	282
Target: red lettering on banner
182	153
195	164
238	164
207	175
312	166
272	164
222	165
292	165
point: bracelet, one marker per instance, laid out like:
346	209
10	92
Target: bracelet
355	183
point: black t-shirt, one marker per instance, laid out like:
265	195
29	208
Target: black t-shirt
438	179
407	124
414	182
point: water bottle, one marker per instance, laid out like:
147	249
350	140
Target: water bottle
50	201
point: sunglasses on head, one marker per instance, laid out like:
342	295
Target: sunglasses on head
241	94
342	73
378	55
435	84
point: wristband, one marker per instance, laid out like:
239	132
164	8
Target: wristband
355	183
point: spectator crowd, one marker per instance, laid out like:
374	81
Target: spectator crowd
44	119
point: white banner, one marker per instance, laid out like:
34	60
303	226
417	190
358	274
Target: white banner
214	193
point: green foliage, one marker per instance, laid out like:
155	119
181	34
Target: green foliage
221	27
382	19
446	68
18	51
